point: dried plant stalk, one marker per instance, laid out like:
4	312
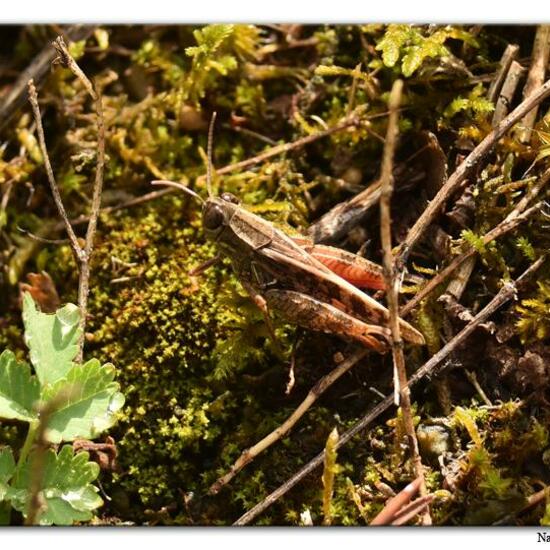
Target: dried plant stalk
81	253
392	279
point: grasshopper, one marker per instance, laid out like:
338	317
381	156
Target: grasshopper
311	285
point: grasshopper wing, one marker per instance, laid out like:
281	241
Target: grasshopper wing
355	269
314	278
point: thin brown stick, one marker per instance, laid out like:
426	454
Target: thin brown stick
391	277
535	77
209	163
502	107
512	220
67	61
466	168
84	279
82	253
37	70
320	387
75	247
510	53
397	502
471	376
506	293
352	120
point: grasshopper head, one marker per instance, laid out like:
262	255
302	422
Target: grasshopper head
217	213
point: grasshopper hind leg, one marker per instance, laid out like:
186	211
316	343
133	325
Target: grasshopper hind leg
312	314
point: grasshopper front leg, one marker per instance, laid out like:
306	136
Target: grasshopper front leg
305	311
261	303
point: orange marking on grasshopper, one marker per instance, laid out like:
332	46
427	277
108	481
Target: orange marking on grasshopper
356	270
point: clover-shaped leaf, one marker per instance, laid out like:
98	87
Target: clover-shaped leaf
19	390
85	402
7	467
52	339
66	487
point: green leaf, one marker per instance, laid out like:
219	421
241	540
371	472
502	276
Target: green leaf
415	44
66	487
87	401
52	339
19	390
417	54
329	471
209	39
526	248
474	240
7	467
475	103
394	38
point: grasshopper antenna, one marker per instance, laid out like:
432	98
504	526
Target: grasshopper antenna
181	187
209	154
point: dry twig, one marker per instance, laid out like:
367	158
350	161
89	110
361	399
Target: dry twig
320	387
81	253
502	107
537	73
467	167
513	219
75	246
510	53
506	293
392	280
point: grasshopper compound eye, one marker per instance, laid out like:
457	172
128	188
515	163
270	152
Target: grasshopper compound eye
213	217
229	197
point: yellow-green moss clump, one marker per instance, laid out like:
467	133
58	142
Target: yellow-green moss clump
179	342
163	328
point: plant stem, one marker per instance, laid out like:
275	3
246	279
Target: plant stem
391	276
29	441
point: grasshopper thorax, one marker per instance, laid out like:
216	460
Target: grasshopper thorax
236	230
